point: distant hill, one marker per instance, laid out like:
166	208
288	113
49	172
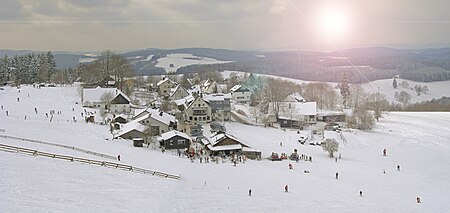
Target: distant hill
361	64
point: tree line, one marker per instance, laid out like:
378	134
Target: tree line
28	69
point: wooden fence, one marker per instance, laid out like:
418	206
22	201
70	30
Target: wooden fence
62	146
15	149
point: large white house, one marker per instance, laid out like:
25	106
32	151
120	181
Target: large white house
240	93
158	121
96	98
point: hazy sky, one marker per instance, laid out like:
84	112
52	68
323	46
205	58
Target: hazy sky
95	25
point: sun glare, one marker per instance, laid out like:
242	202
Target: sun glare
333	23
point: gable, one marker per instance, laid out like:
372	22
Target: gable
120	99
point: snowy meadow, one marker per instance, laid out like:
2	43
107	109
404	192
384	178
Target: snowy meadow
417	142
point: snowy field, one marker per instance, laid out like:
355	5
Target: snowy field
180	60
437	89
418	142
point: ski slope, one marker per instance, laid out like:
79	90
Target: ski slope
418	142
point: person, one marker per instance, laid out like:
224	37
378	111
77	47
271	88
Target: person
360	193
250	192
384	171
418	200
335	159
35	110
398	167
281	143
384	152
290	166
286	188
118	157
337	175
339	155
18	100
2	107
7	113
234	162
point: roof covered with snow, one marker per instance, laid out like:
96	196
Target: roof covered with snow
94	94
216	97
165	80
171	134
160	116
130	126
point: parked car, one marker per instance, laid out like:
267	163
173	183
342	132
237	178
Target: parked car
303	139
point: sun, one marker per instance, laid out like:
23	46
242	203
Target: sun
333	23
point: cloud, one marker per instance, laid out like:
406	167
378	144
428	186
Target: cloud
278	6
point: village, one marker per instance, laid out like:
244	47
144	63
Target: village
176	118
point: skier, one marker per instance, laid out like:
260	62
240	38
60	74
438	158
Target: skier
339	155
418	200
35	110
384	152
281	143
118	157
250	192
286	188
398	167
337	175
290	166
18	100
384	171
7	113
360	193
2	107
335	159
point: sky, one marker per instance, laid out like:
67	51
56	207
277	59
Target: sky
118	25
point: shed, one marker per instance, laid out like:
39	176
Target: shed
138	142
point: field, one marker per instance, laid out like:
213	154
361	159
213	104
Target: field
418	142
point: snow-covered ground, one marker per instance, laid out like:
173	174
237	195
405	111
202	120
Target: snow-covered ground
180	60
418	142
436	89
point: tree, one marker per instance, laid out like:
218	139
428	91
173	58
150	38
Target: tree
255	111
418	89
378	103
394	84
425	89
361	119
404	97
357	95
107	97
345	90
331	146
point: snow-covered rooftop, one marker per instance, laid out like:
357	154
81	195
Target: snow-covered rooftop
170	134
95	94
216	97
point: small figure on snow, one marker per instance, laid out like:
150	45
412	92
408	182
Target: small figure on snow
250	192
18	100
398	167
281	143
418	200
118	157
384	152
360	193
384	171
339	156
35	110
286	188
337	175
290	166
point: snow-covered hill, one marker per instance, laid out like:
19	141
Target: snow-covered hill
418	142
174	61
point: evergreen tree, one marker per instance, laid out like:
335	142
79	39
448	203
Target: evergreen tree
395	84
345	90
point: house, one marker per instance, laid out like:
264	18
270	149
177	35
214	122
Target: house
158	121
120	119
210	86
220	105
164	86
223	143
131	130
175	140
198	111
178	92
294	97
97	98
295	114
241	93
331	116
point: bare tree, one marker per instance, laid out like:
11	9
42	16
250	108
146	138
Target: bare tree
361	119
107	97
331	146
378	103
255	111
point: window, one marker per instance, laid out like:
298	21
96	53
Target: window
190	118
171	142
195	118
180	142
207	117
